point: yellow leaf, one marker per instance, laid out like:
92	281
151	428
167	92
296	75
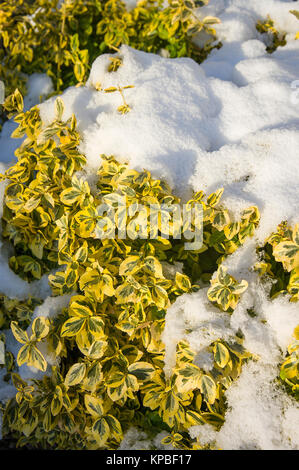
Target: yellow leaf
75	374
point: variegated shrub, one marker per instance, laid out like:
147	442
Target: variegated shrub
110	373
279	260
75	32
289	372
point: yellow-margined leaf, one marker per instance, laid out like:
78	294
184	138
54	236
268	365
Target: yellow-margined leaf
224	297
75	374
56	406
79	71
84	340
70	196
72	326
116	393
132	353
132	383
108	285
78	309
57	401
223	277
231	230
40	327
141	370
160	296
20	335
153	266
152	399
215	419
36	359
166	440
240	287
97	349
188	378
93	377
208	388
288	253
115	379
47	420
221	219
82	253
125	293
59	108
95	325
68	423
289	368
115	427
94	405
170	404
101	431
30	424
221	354
23	355
211	20
214	198
31	204
129	266
183	282
193	418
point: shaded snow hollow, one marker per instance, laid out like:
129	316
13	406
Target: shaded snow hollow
231	122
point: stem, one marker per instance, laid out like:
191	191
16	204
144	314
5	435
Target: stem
63	11
122	95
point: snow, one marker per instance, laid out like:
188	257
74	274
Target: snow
51	306
231	122
193	312
135	440
257	413
15	287
233	134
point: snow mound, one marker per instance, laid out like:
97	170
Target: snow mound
197	131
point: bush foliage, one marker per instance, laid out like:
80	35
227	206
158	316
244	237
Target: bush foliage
289	372
110	372
280	261
110	369
64	38
275	38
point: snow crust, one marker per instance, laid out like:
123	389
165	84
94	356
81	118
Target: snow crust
231	122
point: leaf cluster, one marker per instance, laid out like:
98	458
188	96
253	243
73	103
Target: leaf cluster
276	38
16	310
289	371
62	39
280	261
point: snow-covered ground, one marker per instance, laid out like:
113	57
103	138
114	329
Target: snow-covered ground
231	122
